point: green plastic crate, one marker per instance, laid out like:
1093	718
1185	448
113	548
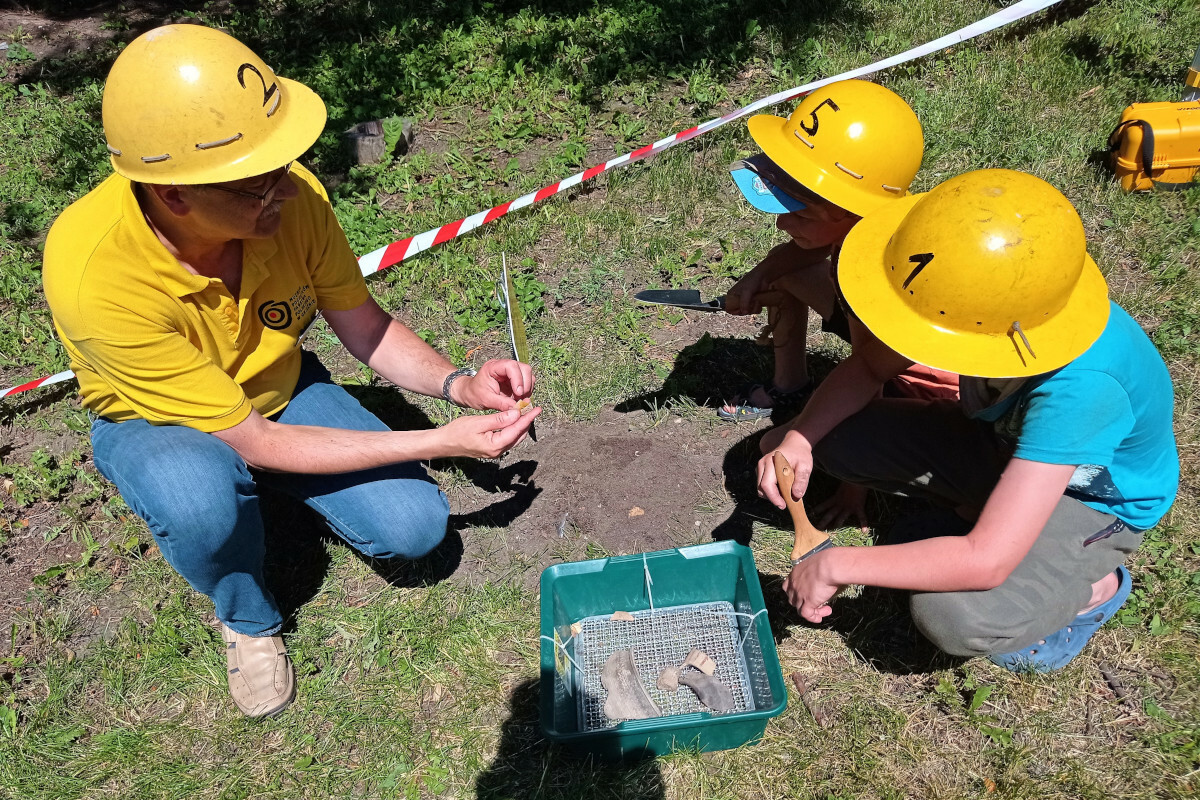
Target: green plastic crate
718	573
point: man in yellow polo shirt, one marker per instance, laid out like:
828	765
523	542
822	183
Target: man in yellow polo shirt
182	286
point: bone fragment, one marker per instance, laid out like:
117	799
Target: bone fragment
627	698
576	628
710	691
668	679
700	660
622	616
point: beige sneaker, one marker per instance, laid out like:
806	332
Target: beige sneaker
261	678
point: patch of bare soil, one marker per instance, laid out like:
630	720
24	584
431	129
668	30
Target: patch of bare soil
25	554
626	483
66	28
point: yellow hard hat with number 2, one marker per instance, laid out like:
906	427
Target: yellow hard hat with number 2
987	275
186	104
854	143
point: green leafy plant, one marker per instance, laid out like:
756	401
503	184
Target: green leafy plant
44	477
969	699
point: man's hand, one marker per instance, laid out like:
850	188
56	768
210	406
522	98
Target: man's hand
499	384
487	435
809	589
796	450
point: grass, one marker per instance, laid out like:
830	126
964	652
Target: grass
111	678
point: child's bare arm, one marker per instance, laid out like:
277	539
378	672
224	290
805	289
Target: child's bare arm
1014	515
846	391
782	258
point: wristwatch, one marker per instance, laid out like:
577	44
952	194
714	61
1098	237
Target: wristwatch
451	378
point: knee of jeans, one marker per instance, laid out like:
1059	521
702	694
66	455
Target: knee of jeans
954	626
204	508
413	534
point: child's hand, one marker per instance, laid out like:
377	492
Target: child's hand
849	502
739	299
809	589
796	450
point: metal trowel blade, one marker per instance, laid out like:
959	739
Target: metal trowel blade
680	298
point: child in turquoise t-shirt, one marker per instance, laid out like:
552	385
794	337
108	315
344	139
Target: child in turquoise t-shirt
1058	456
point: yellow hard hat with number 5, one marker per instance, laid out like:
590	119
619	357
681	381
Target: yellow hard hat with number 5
987	274
854	143
186	104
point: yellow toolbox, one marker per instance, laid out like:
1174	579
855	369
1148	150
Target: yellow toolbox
1157	145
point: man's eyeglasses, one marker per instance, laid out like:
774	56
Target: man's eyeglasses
263	198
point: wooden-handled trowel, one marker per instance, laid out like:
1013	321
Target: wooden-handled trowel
809	540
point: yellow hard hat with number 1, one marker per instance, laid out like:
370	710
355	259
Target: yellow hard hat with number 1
186	104
987	275
854	143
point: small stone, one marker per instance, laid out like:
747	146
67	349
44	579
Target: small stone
668	679
622	616
636	512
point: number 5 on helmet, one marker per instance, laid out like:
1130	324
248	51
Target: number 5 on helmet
854	143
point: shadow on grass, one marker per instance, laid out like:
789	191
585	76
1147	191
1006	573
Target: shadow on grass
297	561
876	626
706	373
387	58
528	766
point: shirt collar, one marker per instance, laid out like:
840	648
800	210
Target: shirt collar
180	282
177	280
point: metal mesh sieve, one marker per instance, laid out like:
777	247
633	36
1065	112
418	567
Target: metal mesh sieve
658	639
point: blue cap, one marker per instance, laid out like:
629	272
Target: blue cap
749	176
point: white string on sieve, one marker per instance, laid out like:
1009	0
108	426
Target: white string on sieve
563	646
749	629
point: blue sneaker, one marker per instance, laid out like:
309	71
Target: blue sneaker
1057	649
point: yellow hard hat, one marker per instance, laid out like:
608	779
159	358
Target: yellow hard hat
854	143
185	104
987	274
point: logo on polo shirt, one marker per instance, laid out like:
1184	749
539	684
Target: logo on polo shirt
275	314
278	314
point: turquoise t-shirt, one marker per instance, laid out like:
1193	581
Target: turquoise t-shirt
1110	412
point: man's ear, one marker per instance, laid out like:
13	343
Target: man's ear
173	198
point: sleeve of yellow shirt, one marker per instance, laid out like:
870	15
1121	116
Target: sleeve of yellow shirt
166	380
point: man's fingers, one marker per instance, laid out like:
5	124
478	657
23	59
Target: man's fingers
800	484
518	378
527	379
515	429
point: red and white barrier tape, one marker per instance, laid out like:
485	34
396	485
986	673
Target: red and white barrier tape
396	252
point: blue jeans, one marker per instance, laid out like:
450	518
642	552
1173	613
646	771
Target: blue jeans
201	501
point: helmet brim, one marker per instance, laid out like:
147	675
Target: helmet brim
768	132
1055	341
